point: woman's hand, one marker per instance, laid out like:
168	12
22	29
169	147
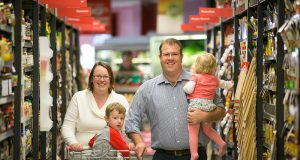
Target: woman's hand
75	147
139	150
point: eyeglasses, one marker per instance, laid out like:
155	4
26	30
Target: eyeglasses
170	54
105	77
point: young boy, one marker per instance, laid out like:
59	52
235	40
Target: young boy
111	138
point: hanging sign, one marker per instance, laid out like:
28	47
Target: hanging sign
192	27
195	19
215	12
86	28
74	12
65	3
85	20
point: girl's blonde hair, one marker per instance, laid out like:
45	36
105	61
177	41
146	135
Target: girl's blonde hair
205	64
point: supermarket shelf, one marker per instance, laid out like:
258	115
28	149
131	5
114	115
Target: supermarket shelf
6	134
28	68
7	99
267	146
27	120
269	116
270	88
5	29
126	88
28	93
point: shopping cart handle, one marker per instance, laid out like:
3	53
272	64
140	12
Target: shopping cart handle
86	148
69	148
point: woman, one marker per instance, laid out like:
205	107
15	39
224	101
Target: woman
85	115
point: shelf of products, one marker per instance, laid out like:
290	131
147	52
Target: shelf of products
265	76
20	83
7	79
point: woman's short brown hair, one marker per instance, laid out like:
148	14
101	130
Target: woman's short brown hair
110	73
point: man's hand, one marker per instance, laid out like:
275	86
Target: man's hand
139	150
195	116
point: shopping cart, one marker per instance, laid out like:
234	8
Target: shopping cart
88	154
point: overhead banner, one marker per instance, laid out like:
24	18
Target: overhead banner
65	3
194	19
193	27
215	12
74	12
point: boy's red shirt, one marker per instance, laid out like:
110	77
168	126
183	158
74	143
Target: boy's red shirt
116	141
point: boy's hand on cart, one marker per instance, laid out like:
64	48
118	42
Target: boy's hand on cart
75	147
131	146
139	150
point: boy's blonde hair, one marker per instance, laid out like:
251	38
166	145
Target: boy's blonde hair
205	64
115	106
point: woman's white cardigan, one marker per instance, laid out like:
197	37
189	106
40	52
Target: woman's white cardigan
84	119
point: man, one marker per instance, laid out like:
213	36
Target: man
127	64
164	102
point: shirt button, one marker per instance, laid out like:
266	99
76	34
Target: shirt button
176	130
175	108
178	141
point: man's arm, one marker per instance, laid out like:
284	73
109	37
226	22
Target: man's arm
140	146
197	116
134	119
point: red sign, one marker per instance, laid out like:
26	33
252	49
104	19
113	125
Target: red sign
245	65
192	27
215	12
203	19
74	12
86	20
92	29
65	3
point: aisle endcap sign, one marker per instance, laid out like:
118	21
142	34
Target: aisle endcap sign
192	27
64	3
195	19
215	12
74	12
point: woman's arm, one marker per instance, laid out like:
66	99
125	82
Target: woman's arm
69	126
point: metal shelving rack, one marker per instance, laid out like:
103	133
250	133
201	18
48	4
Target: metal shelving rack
256	10
18	68
39	13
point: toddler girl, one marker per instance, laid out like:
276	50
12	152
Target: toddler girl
201	90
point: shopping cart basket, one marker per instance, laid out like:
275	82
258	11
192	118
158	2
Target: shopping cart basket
88	154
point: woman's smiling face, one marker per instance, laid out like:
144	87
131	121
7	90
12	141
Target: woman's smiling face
101	79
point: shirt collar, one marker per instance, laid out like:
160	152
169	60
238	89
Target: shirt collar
184	76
